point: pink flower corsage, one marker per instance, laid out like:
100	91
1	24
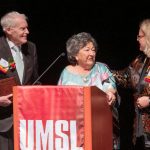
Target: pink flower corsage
6	66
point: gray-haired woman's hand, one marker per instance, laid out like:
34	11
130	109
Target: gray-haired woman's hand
111	98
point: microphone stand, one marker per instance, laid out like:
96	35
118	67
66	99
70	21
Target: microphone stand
62	54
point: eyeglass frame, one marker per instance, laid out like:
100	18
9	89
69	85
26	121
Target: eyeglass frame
140	36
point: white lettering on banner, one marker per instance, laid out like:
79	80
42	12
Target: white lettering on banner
26	135
64	125
44	138
54	135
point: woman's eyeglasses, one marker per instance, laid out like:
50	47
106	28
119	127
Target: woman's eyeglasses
140	36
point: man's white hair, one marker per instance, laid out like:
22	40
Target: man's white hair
9	19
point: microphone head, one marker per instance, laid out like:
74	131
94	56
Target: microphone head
63	54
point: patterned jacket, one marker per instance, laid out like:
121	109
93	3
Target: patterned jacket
136	76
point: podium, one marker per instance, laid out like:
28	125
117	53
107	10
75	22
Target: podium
61	118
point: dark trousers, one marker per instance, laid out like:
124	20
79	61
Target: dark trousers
7	140
140	144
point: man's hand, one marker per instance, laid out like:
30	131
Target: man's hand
5	100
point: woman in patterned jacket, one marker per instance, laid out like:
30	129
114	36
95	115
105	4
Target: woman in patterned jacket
137	77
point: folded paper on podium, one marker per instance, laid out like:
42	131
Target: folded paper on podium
61	118
6	86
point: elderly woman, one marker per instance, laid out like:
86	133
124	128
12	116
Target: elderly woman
137	77
83	70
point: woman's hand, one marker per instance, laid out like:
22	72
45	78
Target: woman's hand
111	98
143	102
5	100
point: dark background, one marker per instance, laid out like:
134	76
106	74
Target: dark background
113	24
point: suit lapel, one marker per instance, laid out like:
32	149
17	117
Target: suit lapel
5	50
6	54
27	63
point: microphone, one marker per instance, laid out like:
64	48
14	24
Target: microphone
61	55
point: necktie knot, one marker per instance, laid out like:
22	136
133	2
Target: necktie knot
16	48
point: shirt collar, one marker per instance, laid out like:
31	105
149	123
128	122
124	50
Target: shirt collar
11	44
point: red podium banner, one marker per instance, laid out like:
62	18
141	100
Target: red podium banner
55	118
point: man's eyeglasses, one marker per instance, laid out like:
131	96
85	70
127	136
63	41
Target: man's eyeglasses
140	36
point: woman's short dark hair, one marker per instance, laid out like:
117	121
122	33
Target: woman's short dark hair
77	42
